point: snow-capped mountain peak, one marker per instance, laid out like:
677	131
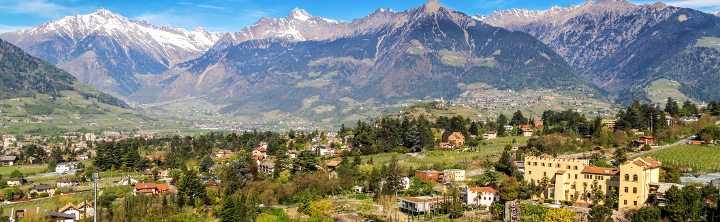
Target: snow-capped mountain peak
299	14
298	25
111	44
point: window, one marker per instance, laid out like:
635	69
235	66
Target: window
576	176
573	186
568	167
627	177
543	164
575	167
535	163
558	165
599	187
625	202
634	189
626	189
635	203
635	178
529	172
544	174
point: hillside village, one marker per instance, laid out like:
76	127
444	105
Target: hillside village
604	111
452	168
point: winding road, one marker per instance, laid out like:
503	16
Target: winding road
682	141
655	149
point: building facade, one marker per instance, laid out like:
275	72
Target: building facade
430	175
454	175
636	177
575	180
480	196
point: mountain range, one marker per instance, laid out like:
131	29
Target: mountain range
421	53
623	47
301	62
111	52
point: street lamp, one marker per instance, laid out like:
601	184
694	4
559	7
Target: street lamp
95	178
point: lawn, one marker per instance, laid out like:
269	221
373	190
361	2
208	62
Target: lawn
699	158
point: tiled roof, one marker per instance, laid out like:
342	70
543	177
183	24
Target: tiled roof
647	163
162	187
482	189
8	158
560	172
66	180
333	163
68	206
545	156
145	186
56	214
600	170
42	187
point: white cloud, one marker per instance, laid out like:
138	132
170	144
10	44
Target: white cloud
702	5
695	3
41	8
210	7
9	28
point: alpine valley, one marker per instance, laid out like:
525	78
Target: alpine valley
306	72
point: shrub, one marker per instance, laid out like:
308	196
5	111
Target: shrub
43	194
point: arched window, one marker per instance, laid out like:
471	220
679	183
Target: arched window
635	178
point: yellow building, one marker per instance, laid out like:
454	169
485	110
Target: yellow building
454	175
575	180
456	139
636	177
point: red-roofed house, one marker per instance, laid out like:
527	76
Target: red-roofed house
480	196
260	152
149	188
332	165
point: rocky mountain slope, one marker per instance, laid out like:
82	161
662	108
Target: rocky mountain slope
112	52
621	46
425	52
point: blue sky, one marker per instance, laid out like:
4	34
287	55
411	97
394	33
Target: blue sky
233	15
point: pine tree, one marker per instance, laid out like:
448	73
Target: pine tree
234	176
473	129
690	107
672	108
206	163
412	139
392	179
518	119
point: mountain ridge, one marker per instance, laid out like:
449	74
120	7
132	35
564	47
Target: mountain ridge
422	53
615	43
109	51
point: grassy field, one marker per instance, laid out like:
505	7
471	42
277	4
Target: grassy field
708	42
43	115
661	89
52	203
467	159
699	158
25	169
